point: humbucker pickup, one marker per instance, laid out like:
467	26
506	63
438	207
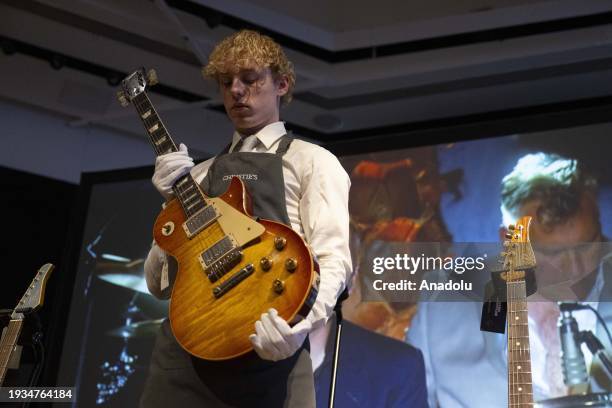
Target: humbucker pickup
200	220
215	252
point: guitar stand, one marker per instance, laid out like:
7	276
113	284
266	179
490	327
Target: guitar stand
338	311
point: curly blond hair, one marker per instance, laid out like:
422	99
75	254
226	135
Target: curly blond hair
247	49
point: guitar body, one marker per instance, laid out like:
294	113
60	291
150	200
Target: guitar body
218	328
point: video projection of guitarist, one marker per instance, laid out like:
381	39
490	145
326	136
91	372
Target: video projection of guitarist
290	181
573	264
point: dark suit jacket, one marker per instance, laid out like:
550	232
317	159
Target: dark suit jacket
373	371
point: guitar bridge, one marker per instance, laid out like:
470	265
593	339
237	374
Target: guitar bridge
224	265
234	280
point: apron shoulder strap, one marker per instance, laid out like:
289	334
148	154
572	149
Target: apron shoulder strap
284	144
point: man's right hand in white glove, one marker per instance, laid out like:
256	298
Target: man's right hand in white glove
168	168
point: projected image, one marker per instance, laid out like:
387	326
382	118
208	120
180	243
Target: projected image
395	198
113	319
445	194
466	193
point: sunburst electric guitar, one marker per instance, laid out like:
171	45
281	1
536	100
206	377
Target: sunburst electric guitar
231	266
518	257
30	301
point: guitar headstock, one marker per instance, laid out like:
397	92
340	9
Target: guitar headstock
519	232
135	84
518	254
34	296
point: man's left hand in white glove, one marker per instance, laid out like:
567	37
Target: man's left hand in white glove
275	339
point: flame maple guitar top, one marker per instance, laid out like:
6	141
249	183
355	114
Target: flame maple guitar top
218	328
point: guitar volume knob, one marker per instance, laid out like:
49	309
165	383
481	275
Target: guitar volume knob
280	243
278	286
291	264
266	263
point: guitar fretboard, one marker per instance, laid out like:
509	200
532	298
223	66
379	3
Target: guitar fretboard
7	345
520	390
185	189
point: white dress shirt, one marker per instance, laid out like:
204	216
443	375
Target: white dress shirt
316	194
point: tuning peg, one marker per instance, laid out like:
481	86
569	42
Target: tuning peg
123	100
152	77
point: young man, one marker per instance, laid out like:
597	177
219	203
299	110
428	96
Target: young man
291	181
468	368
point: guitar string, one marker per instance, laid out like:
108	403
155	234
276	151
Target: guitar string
523	289
206	241
202	202
513	308
522	251
511	355
143	104
512	349
9	339
523	379
517	390
140	100
181	190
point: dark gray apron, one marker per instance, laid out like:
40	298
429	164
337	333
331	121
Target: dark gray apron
178	379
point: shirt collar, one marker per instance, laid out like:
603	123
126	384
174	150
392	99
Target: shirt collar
267	135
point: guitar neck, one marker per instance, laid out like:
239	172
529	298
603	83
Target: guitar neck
7	345
520	389
185	188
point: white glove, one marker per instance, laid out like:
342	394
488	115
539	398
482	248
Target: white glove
154	267
168	168
275	339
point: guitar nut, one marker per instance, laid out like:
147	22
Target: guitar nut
291	264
